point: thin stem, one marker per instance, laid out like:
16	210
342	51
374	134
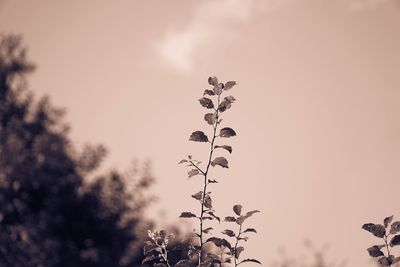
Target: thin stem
205	173
236	244
197	167
387	246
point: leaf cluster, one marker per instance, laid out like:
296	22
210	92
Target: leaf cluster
388	232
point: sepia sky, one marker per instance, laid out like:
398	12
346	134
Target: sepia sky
317	113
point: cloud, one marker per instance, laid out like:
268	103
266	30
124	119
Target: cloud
213	24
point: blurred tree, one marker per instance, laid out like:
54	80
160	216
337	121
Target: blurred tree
49	214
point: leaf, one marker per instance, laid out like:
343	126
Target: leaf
395	241
149	248
213	80
250	230
237	209
229	85
206	102
198	136
212	214
207	230
224	105
230	99
208	92
198	195
227	132
375	251
213	181
250	213
215	240
377	230
230	219
250	260
210	118
193	172
187	214
149	258
208	202
225	243
395	228
238	251
229	233
218	88
385	261
387	220
221	161
228	148
182	161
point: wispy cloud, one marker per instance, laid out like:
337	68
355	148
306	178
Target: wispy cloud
213	23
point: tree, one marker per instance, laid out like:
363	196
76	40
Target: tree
49	214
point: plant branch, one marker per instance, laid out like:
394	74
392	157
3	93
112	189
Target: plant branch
215	126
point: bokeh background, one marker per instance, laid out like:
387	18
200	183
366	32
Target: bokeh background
317	112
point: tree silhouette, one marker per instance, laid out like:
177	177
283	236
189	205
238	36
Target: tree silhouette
50	215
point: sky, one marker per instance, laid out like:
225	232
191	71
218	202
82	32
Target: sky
317	111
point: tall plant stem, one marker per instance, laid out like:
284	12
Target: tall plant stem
236	244
215	126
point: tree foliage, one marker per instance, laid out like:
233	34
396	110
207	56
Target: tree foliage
49	214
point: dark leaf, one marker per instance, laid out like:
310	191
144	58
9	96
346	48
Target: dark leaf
206	102
224	105
377	230
212	214
225	243
208	202
193	172
215	240
213	181
230	219
238	251
221	161
213	80
228	148
218	88
395	241
149	248
208	92
210	118
387	220
385	261
207	230
237	209
227	132
250	213
250	260
198	195
375	251
229	85
148	259
198	136
227	260
182	161
230	99
395	228
250	230
187	215
229	233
